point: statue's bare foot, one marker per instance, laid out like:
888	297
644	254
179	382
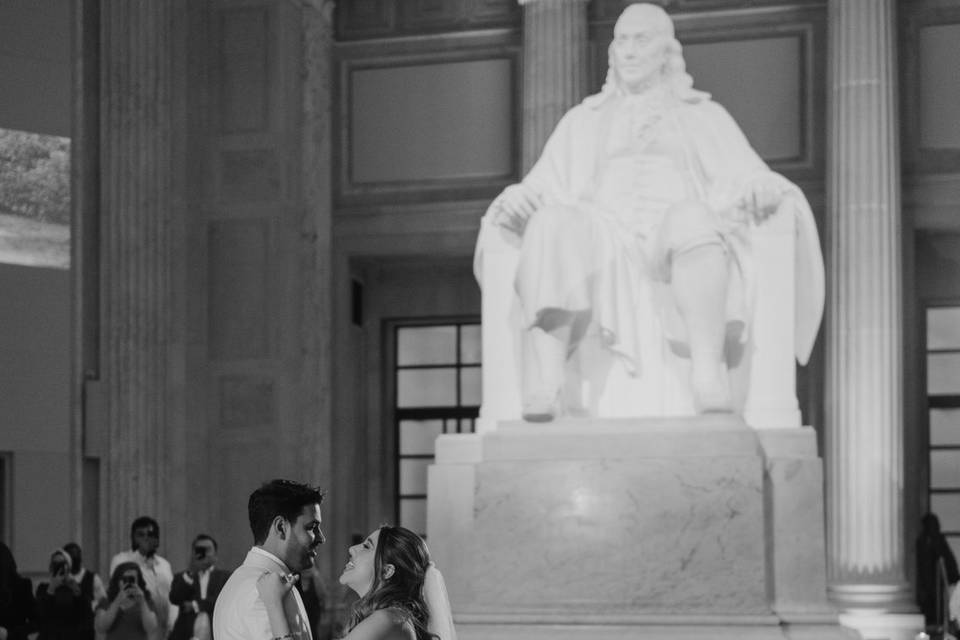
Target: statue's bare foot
711	388
541	408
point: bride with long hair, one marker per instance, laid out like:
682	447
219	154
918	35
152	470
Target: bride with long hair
402	594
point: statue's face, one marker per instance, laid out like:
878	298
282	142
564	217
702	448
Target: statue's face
639	48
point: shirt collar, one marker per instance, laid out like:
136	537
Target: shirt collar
266	553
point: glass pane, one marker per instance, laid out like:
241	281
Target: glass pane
945	469
943	373
947	508
426	345
943	328
470	344
467	426
413	475
427	388
417	436
944	427
413	515
470	389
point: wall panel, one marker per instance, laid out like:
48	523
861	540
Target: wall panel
364	19
733	71
245	62
239	264
930	128
426	120
431	123
607	11
246	401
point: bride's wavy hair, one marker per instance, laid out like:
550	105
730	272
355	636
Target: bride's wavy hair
403	591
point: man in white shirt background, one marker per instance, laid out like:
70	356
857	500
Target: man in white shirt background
157	573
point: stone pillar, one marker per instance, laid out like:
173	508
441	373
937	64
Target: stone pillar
555	58
315	261
864	375
137	197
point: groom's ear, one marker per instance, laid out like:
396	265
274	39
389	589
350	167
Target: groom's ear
388	571
280	526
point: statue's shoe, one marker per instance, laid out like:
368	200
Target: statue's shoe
711	389
541	408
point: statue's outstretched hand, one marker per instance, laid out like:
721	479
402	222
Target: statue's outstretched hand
763	197
514	206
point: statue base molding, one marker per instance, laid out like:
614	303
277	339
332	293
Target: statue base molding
632	528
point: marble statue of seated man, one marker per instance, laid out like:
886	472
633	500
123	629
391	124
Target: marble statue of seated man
648	179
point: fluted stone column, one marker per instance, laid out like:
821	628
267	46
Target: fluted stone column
555	58
137	197
315	431
864	375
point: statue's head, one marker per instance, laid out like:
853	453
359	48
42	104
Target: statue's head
644	50
643	42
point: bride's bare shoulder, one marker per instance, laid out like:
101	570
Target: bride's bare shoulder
383	624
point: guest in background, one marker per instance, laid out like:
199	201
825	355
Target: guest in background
8	577
936	571
16	599
157	574
313	592
128	612
91	586
195	591
62	611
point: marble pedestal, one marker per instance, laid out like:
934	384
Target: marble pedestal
632	528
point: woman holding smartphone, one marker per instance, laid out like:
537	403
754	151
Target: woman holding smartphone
127	613
63	613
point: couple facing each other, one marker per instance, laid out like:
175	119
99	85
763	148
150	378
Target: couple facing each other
402	595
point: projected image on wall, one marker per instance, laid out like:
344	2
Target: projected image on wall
34	199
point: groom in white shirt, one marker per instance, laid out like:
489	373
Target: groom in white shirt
285	521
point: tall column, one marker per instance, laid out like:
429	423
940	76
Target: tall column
137	198
315	431
864	375
555	58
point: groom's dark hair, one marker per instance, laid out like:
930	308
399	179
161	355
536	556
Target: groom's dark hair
284	498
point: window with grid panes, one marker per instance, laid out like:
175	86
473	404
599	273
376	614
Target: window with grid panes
943	406
437	383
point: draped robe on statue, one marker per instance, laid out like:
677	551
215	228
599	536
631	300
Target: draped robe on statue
608	174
